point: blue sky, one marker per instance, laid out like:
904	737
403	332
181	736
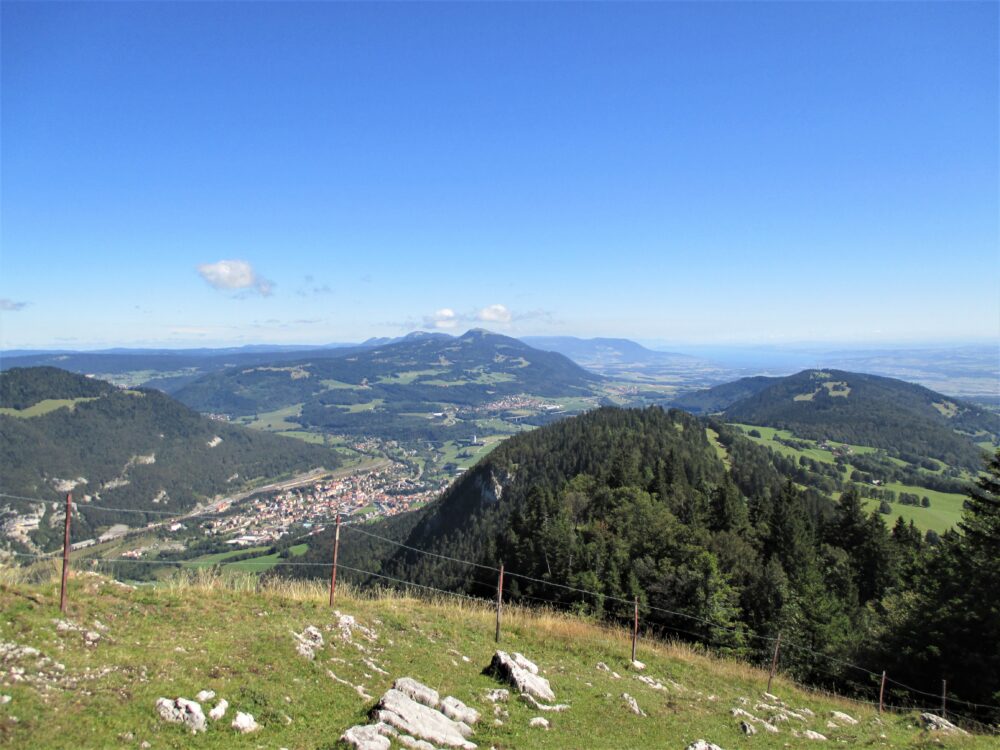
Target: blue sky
199	174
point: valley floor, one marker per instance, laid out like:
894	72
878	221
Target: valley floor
98	672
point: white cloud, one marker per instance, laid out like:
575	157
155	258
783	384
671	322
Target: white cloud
495	314
498	316
442	319
10	305
233	275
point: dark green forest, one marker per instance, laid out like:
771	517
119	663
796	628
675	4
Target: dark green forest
630	503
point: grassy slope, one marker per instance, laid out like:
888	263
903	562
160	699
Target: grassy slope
946	507
237	640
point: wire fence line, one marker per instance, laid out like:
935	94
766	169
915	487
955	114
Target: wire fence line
643	606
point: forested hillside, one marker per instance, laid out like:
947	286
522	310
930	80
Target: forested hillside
909	421
714	539
128	449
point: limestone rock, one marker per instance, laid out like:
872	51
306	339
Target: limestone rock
402	712
747	728
500	695
843	718
417	691
412	742
526	681
524	663
539	721
939	724
556	707
245	723
810	735
454	709
182	711
365	738
309	641
219	711
637	665
633	705
204	696
702	745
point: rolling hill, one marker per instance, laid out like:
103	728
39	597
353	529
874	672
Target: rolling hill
415	388
908	421
132	449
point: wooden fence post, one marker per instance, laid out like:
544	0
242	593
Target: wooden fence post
635	628
944	699
774	661
499	601
881	694
336	550
65	569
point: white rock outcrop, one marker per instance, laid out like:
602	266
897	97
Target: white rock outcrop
308	642
182	711
937	723
410	717
417	691
554	707
365	737
245	723
219	711
455	710
518	674
633	705
539	722
843	718
702	745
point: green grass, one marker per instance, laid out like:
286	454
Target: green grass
277	420
333	385
720	449
407	377
368	406
219	557
768	435
45	406
304	435
945	510
944	513
234	636
250	565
